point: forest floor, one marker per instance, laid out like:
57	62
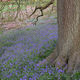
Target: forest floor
21	49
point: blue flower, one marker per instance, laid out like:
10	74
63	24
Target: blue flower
21	79
28	45
60	70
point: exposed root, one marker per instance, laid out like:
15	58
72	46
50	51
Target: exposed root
69	64
49	59
56	60
74	62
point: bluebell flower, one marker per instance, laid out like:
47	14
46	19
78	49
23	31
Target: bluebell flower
21	79
60	70
27	46
30	78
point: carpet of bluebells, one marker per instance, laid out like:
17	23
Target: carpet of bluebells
22	49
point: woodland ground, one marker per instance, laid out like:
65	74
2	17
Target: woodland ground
21	49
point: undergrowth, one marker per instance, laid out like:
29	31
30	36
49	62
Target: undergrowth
21	50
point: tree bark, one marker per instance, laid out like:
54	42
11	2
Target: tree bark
68	46
69	33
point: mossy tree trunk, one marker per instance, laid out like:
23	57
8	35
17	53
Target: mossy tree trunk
67	51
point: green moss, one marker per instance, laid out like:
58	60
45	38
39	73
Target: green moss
27	29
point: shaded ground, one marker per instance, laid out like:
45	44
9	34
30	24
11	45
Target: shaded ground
21	49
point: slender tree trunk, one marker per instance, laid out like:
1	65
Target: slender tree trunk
67	51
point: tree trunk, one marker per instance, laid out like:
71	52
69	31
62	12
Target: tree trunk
67	51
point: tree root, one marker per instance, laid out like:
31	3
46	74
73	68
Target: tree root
70	64
74	62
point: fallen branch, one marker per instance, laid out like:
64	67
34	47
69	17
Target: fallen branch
38	17
41	8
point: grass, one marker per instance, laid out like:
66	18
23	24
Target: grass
47	52
4	44
1	30
54	23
